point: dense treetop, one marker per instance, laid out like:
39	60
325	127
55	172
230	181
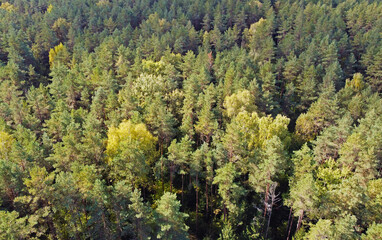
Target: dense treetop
216	119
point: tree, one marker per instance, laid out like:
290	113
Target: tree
161	121
26	150
373	232
247	133
259	39
179	155
321	114
262	173
302	184
142	216
343	228
238	102
40	101
13	227
307	87
206	124
130	147
58	54
361	151
269	89
374	72
229	191
39	201
170	220
329	142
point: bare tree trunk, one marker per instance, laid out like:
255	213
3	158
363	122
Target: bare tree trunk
225	212
197	204
289	223
161	174
266	200
274	199
171	173
182	188
269	221
206	197
300	220
106	232
119	228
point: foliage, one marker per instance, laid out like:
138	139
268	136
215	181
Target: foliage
190	119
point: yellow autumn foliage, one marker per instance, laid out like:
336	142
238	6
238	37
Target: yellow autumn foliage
7	6
50	8
59	52
6	142
128	134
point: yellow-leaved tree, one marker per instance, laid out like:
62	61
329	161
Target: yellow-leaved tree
6	142
7	6
238	102
131	149
58	54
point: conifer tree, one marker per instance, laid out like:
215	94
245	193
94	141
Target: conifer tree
169	218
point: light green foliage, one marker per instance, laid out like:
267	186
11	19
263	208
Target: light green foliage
58	54
6	142
272	162
229	190
169	218
130	150
238	108
40	199
322	113
180	154
227	232
206	124
12	227
302	184
321	230
238	102
343	228
247	133
374	203
259	39
374	232
142	215
160	120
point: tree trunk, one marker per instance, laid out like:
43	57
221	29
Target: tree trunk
300	220
182	188
161	174
225	212
266	200
171	172
206	197
119	228
197	203
268	223
106	232
289	223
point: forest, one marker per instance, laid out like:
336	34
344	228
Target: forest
202	119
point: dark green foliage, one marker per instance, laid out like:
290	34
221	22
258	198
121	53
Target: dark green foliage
216	119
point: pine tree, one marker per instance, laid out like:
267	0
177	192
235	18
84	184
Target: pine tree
160	121
206	124
321	114
374	71
141	216
302	184
262	175
169	219
269	89
179	156
229	191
